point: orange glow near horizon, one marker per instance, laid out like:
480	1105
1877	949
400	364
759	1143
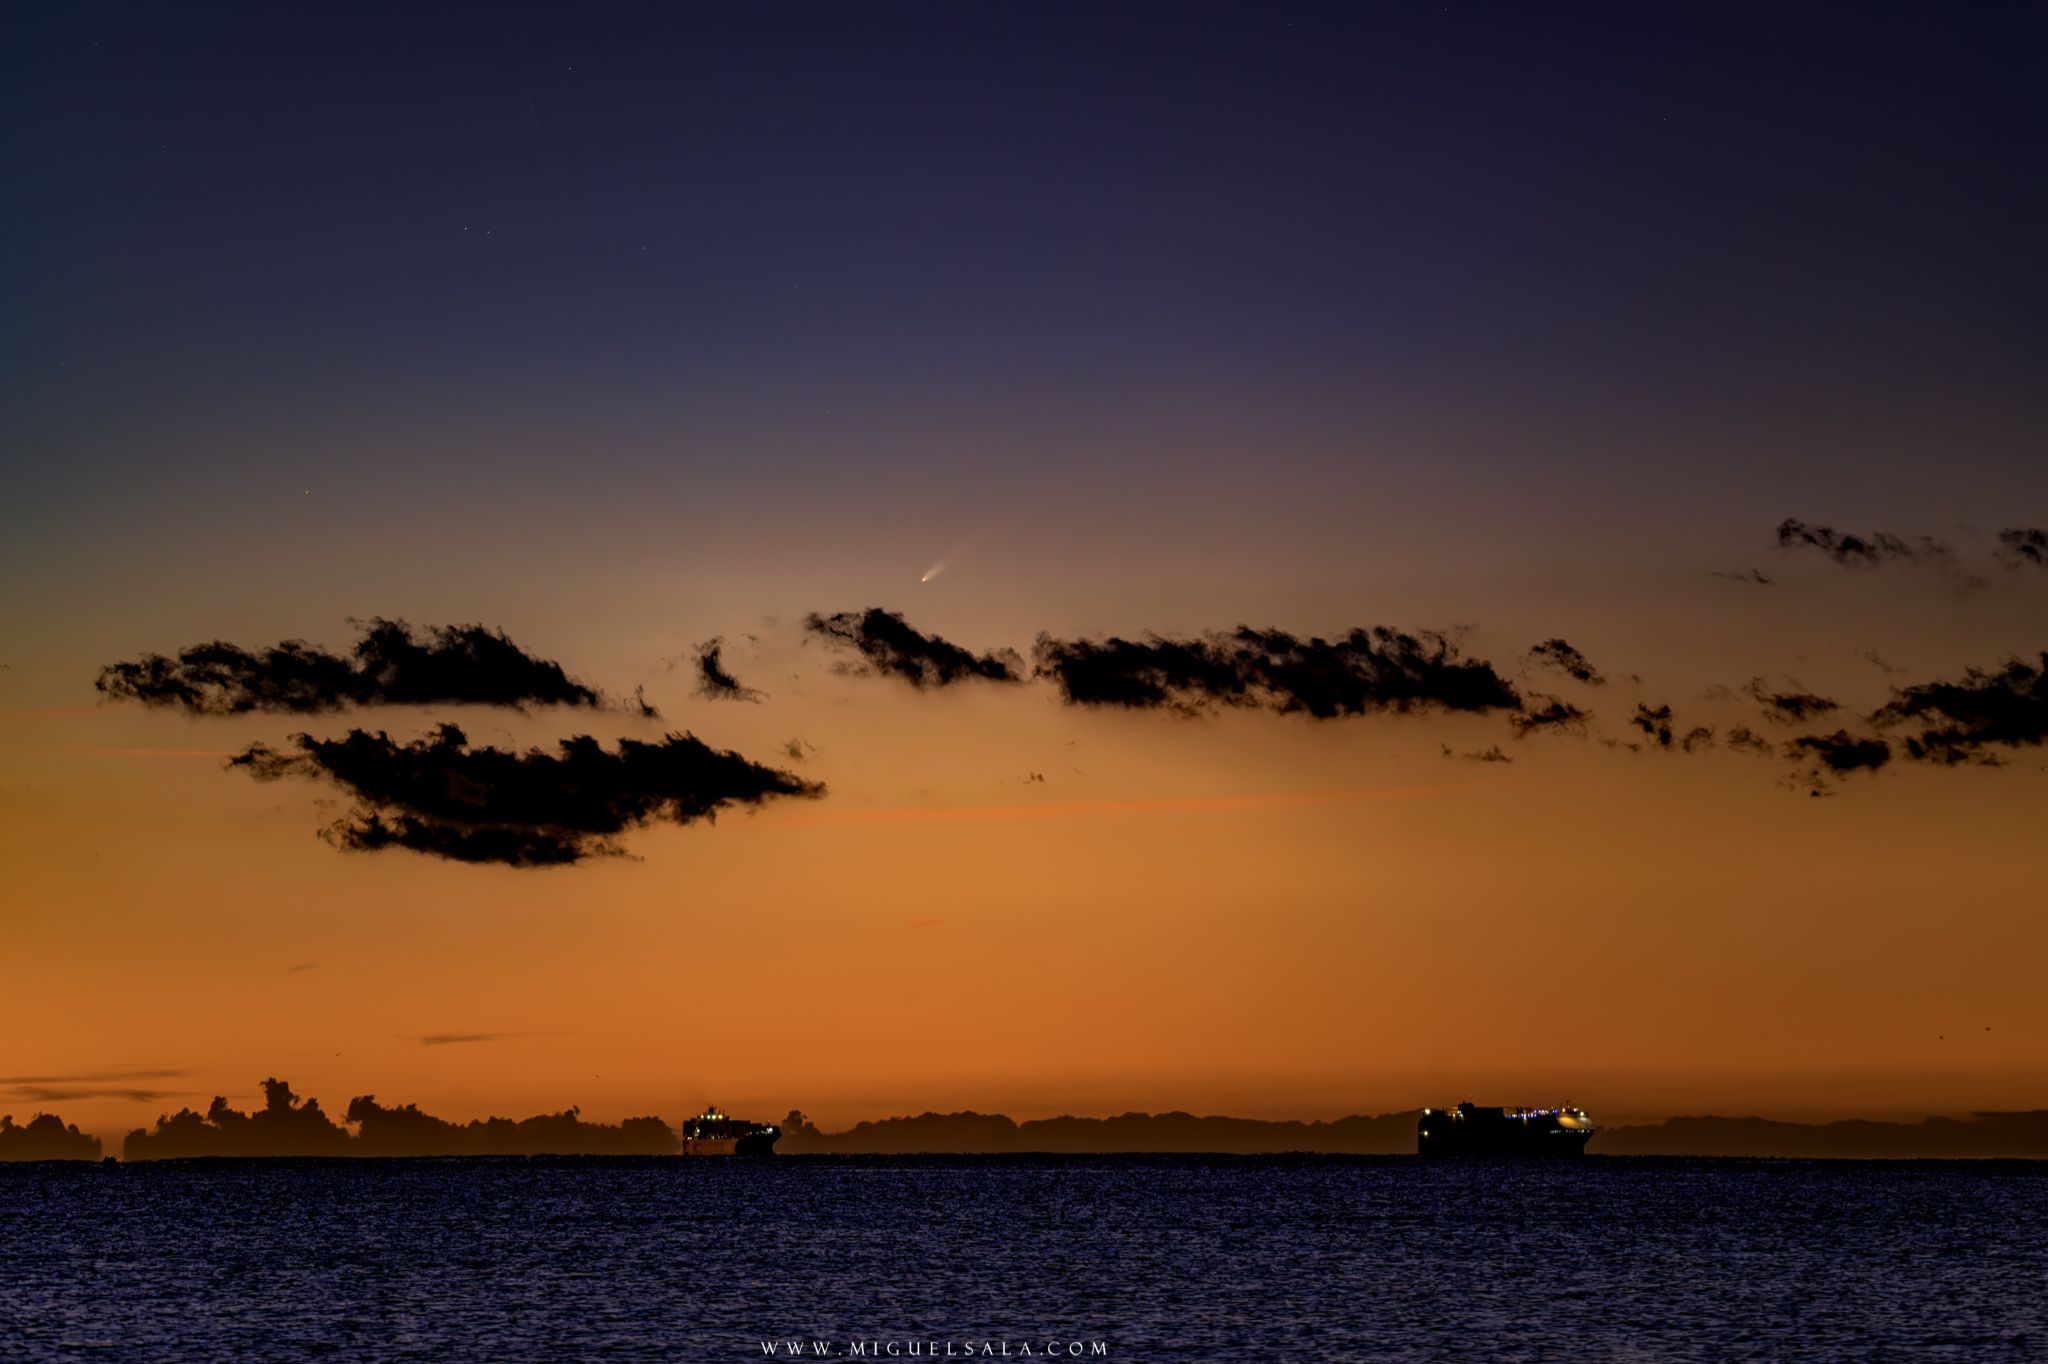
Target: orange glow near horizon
1333	918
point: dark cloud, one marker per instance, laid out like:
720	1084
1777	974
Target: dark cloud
1750	576
1965	721
1655	723
1837	754
1362	673
391	665
438	795
454	1039
1788	707
406	1131
50	1094
893	648
2023	546
1550	714
45	1137
1876	548
1697	738
714	681
284	1126
94	1077
1478	755
1743	739
1555	653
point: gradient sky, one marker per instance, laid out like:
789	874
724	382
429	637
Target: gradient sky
622	328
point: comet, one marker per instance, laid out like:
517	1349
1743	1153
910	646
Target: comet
934	571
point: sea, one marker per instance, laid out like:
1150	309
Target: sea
1064	1257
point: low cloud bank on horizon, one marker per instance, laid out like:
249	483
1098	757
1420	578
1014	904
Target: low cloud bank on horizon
287	1125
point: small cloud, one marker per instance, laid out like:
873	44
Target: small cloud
1851	550
1967	720
1750	576
891	647
456	1039
298	967
714	681
1836	755
2023	547
1742	739
1654	722
1555	653
1789	707
1551	714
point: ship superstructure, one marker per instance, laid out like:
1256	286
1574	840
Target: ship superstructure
712	1133
1469	1130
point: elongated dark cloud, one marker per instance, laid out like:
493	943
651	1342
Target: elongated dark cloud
2023	546
1654	722
714	681
1841	752
393	664
1792	707
1751	576
1545	713
53	1094
1966	721
98	1084
1367	671
438	795
94	1077
1875	548
456	1039
1492	754
893	648
1555	653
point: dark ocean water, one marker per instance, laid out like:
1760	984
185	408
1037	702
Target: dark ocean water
1156	1258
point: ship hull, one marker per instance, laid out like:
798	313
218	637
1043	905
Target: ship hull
753	1144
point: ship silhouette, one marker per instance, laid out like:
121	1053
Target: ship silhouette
712	1133
1469	1130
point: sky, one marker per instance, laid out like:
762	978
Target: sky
1708	341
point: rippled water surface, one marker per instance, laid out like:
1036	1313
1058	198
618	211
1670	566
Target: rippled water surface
1156	1259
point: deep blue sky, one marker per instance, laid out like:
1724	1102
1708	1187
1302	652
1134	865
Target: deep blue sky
1709	209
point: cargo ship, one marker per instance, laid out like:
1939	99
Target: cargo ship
1468	1130
712	1133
